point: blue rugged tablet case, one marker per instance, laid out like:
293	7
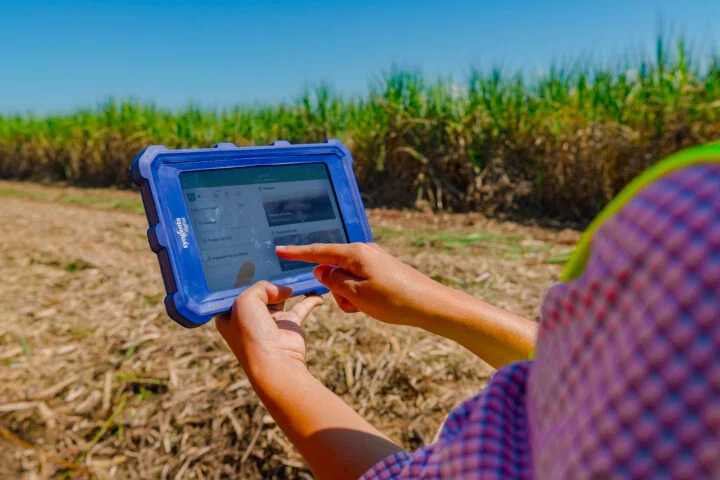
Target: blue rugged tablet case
156	172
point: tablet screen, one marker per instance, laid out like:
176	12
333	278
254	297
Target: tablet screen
239	215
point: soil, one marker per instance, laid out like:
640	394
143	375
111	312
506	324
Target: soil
95	380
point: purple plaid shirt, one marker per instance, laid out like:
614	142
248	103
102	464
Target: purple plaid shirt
477	439
626	377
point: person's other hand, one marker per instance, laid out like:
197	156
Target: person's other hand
365	277
258	330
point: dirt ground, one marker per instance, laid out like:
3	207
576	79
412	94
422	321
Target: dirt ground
95	380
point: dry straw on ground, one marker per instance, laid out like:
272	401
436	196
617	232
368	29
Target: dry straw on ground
94	379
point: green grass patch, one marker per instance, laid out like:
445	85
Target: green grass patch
381	234
78	266
129	352
453	240
461	243
94	201
509	247
12	193
560	258
144	394
152	385
149	300
81	332
25	347
125	205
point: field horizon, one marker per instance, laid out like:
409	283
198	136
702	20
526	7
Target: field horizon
557	146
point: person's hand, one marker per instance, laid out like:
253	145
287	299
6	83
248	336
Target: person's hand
260	332
364	277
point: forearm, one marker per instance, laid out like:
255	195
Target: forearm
335	441
493	334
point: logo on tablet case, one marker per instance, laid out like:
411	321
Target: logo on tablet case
182	231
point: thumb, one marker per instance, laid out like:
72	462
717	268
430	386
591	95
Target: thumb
253	303
338	281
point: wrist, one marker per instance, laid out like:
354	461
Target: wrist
269	370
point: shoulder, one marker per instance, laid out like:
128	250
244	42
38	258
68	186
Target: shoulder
485	436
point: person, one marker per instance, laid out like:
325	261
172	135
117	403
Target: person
625	376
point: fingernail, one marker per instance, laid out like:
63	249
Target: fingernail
280	248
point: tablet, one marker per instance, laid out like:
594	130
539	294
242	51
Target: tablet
216	215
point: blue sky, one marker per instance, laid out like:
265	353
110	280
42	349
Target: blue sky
57	56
